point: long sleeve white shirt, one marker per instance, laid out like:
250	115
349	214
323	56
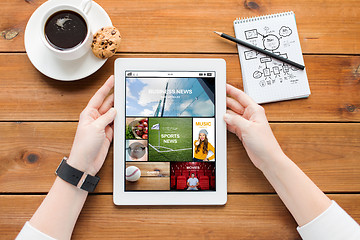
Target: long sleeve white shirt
333	224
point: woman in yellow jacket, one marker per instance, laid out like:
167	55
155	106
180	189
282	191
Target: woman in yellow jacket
202	148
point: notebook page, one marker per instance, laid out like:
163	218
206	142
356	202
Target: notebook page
266	79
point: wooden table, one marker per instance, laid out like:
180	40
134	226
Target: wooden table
321	134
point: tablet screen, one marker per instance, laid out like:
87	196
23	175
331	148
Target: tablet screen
170	131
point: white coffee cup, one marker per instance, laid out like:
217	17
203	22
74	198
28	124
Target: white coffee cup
81	49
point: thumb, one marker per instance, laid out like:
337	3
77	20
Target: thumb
106	118
235	120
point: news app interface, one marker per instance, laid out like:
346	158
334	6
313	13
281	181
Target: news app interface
170	131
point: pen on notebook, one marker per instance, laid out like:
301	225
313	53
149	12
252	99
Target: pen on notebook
223	35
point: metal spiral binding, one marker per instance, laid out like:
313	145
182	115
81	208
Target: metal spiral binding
263	17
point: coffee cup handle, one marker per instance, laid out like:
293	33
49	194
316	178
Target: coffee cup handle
86	6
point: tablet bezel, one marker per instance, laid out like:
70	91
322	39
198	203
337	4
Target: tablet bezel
217	197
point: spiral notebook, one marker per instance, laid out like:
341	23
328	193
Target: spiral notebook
266	79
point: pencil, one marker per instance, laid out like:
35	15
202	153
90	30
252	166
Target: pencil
297	65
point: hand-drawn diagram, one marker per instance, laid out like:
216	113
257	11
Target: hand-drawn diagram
270	71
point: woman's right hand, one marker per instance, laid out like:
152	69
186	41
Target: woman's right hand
248	121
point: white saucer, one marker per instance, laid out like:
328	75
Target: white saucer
46	62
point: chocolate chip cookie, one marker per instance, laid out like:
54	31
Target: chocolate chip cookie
105	42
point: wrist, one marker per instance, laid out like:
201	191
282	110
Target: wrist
61	184
81	165
76	177
274	162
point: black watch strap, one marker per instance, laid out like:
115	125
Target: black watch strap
76	177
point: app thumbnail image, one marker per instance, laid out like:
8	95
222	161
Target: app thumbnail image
153	176
170	97
203	139
136	150
192	176
170	139
136	128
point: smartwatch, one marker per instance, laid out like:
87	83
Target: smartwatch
76	177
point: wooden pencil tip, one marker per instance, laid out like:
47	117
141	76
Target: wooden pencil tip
219	33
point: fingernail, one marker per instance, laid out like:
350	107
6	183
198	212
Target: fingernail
226	117
112	110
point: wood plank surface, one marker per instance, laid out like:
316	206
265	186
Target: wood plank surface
329	26
321	134
329	153
26	94
243	217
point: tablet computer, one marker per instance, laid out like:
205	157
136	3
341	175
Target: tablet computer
169	132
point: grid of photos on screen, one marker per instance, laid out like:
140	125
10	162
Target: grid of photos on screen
170	133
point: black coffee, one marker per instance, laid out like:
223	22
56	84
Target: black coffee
65	30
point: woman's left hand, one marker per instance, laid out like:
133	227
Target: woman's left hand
94	132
